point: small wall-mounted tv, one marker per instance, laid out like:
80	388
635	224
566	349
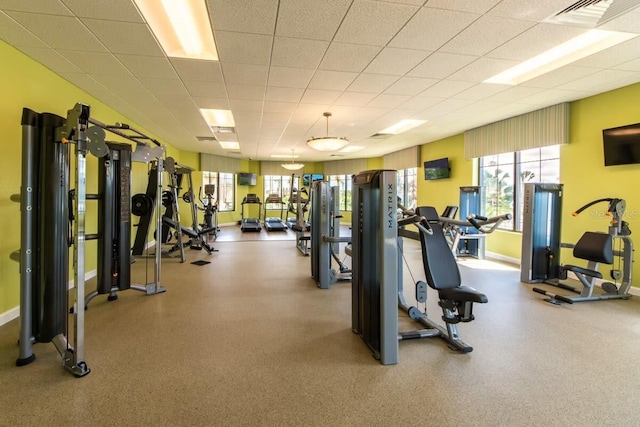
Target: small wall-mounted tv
308	178
246	178
621	145
436	169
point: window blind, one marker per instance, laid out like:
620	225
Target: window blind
344	167
403	159
212	163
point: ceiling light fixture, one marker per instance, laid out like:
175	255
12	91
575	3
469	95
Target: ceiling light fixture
402	126
181	27
229	145
292	166
327	143
221	118
586	44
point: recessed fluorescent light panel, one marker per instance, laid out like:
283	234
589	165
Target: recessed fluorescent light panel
586	44
402	126
220	118
229	145
181	27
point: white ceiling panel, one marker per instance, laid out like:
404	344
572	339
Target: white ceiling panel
373	23
285	62
148	66
430	28
290	77
297	53
485	34
245	74
60	32
332	80
190	69
96	62
114	10
243	48
627	22
410	86
348	57
16	35
440	65
123	37
311	19
51	59
376	83
395	61
475	6
246	16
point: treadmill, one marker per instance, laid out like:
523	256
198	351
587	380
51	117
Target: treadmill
251	224
274	223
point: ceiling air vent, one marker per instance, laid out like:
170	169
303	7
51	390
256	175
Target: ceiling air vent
381	135
591	13
223	129
206	138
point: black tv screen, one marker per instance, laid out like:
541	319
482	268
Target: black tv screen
436	169
621	145
246	178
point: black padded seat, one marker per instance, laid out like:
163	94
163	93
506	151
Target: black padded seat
463	294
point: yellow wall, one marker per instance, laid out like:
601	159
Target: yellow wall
26	83
442	192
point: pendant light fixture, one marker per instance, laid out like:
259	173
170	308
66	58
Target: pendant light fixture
327	143
292	166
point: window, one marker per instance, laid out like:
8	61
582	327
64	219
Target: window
225	189
408	187
344	183
277	184
502	178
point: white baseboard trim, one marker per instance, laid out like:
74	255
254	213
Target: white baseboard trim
14	313
503	258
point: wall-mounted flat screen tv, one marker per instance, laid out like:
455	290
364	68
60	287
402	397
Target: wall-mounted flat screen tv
308	178
621	145
436	169
246	178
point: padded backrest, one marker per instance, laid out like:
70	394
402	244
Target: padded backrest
450	212
440	265
596	247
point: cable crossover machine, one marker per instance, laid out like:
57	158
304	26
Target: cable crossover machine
53	220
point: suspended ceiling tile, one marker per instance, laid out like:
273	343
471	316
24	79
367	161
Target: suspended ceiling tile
354	99
15	34
204	88
388	101
481	91
51	59
375	83
534	41
627	22
120	85
50	7
279	107
290	77
245	105
192	69
631	65
331	80
604	80
441	64
148	66
348	57
124	37
246	92
514	94
475	6
559	77
482	69
394	61
311	19
245	16
485	34
551	97
324	97
243	48
60	32
284	94
421	102
613	56
431	28
410	86
172	87
115	10
373	23
96	62
446	88
213	103
245	74
529	11
297	53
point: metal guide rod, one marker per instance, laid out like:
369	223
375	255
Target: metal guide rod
156	283
118	129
